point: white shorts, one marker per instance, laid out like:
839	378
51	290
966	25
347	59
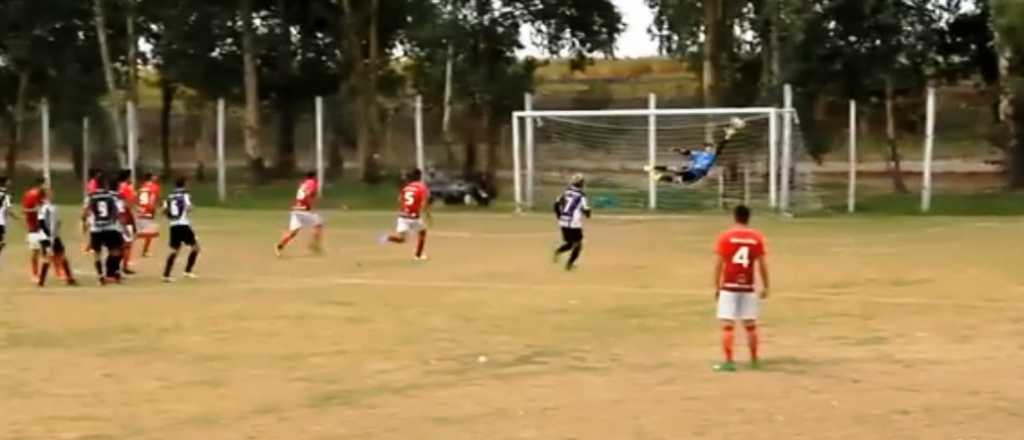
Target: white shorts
738	306
147	225
410	224
304	219
35	240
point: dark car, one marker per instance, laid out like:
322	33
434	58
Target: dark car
457	191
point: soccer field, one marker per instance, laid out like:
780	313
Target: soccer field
879	327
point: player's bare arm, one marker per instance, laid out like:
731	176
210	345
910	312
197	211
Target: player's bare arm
762	265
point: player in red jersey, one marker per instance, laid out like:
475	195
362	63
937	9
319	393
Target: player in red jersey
413	205
149	201
31	201
739	249
93	184
303	216
126	191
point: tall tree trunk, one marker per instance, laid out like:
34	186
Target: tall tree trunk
446	120
709	76
252	95
772	67
364	87
132	55
202	143
895	158
20	107
167	91
285	137
1007	110
495	142
108	75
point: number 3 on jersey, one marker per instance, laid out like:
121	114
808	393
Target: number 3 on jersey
742	256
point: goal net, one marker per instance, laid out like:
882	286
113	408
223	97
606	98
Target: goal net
621	152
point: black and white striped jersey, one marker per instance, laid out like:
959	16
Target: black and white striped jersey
49	222
105	209
571	207
177	206
5	204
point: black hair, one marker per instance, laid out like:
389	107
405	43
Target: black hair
40	181
95	173
414	175
147	177
111	184
742	215
180	182
125	175
311	174
3	180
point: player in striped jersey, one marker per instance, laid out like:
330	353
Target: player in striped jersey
177	208
5	211
52	245
570	209
101	215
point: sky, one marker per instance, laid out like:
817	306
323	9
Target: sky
634	42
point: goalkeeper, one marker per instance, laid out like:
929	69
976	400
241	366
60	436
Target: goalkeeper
700	161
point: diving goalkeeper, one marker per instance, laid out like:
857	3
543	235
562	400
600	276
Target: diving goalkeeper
700	161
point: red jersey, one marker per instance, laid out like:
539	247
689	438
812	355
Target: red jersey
149	198
92	186
739	248
127	193
413	199
306	196
30	204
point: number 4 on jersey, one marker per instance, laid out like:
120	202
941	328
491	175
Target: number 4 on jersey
742	256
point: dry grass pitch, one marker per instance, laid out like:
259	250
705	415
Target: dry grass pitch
879	328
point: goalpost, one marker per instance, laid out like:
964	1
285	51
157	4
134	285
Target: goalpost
759	165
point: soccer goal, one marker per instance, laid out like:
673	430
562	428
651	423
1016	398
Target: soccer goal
620	152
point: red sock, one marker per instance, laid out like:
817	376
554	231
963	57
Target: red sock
752	340
727	337
421	243
396	239
35	266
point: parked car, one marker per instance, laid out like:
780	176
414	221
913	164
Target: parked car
456	191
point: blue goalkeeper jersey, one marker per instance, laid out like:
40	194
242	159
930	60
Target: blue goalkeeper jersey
703	161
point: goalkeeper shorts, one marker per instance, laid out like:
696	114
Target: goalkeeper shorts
690	176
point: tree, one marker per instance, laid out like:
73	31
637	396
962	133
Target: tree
252	97
1008	33
479	40
39	44
195	50
100	20
300	64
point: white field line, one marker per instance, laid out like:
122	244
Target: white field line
249	283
